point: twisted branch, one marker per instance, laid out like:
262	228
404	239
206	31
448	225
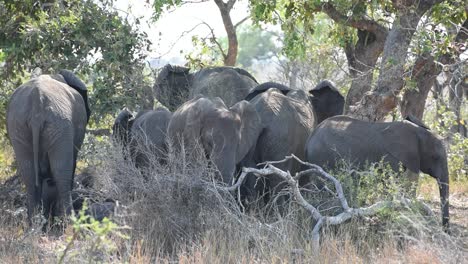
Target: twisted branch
347	213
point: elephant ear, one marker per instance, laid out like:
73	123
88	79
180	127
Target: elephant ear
122	126
73	81
401	142
250	128
265	87
326	100
168	69
172	85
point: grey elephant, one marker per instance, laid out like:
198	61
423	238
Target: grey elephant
46	123
288	117
406	142
144	134
122	126
176	84
225	134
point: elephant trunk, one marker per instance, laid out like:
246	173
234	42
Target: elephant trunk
443	182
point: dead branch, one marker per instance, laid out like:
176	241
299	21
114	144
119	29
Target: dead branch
347	213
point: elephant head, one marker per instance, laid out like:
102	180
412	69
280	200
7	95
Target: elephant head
122	126
326	101
226	134
420	150
172	86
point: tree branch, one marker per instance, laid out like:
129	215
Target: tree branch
333	13
241	21
213	38
347	213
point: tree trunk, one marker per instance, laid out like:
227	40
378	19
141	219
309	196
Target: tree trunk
423	74
293	75
375	105
362	58
225	8
456	87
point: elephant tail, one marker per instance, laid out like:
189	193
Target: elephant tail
35	138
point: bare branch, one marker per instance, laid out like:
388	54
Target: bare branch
241	21
347	213
213	38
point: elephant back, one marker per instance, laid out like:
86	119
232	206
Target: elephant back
261	88
152	125
230	84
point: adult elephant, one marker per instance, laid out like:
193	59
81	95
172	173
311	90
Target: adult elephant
46	123
225	134
287	118
176	84
145	134
408	142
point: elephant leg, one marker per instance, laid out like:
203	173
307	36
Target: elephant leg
61	159
25	161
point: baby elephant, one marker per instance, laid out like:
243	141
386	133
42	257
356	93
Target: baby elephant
145	134
408	143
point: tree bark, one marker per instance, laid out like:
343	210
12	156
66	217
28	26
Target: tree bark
423	74
362	58
225	9
376	104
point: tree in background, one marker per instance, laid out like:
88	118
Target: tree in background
230	54
368	32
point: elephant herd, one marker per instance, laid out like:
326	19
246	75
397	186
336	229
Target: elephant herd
236	121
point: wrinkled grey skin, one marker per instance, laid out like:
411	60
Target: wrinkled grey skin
46	123
288	117
144	132
148	133
226	134
357	141
175	84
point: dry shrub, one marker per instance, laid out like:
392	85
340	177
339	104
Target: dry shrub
167	205
176	213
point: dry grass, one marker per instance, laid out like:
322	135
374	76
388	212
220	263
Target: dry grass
175	213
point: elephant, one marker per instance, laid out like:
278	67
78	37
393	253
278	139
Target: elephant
121	127
287	118
176	84
225	134
408	142
46	123
146	132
